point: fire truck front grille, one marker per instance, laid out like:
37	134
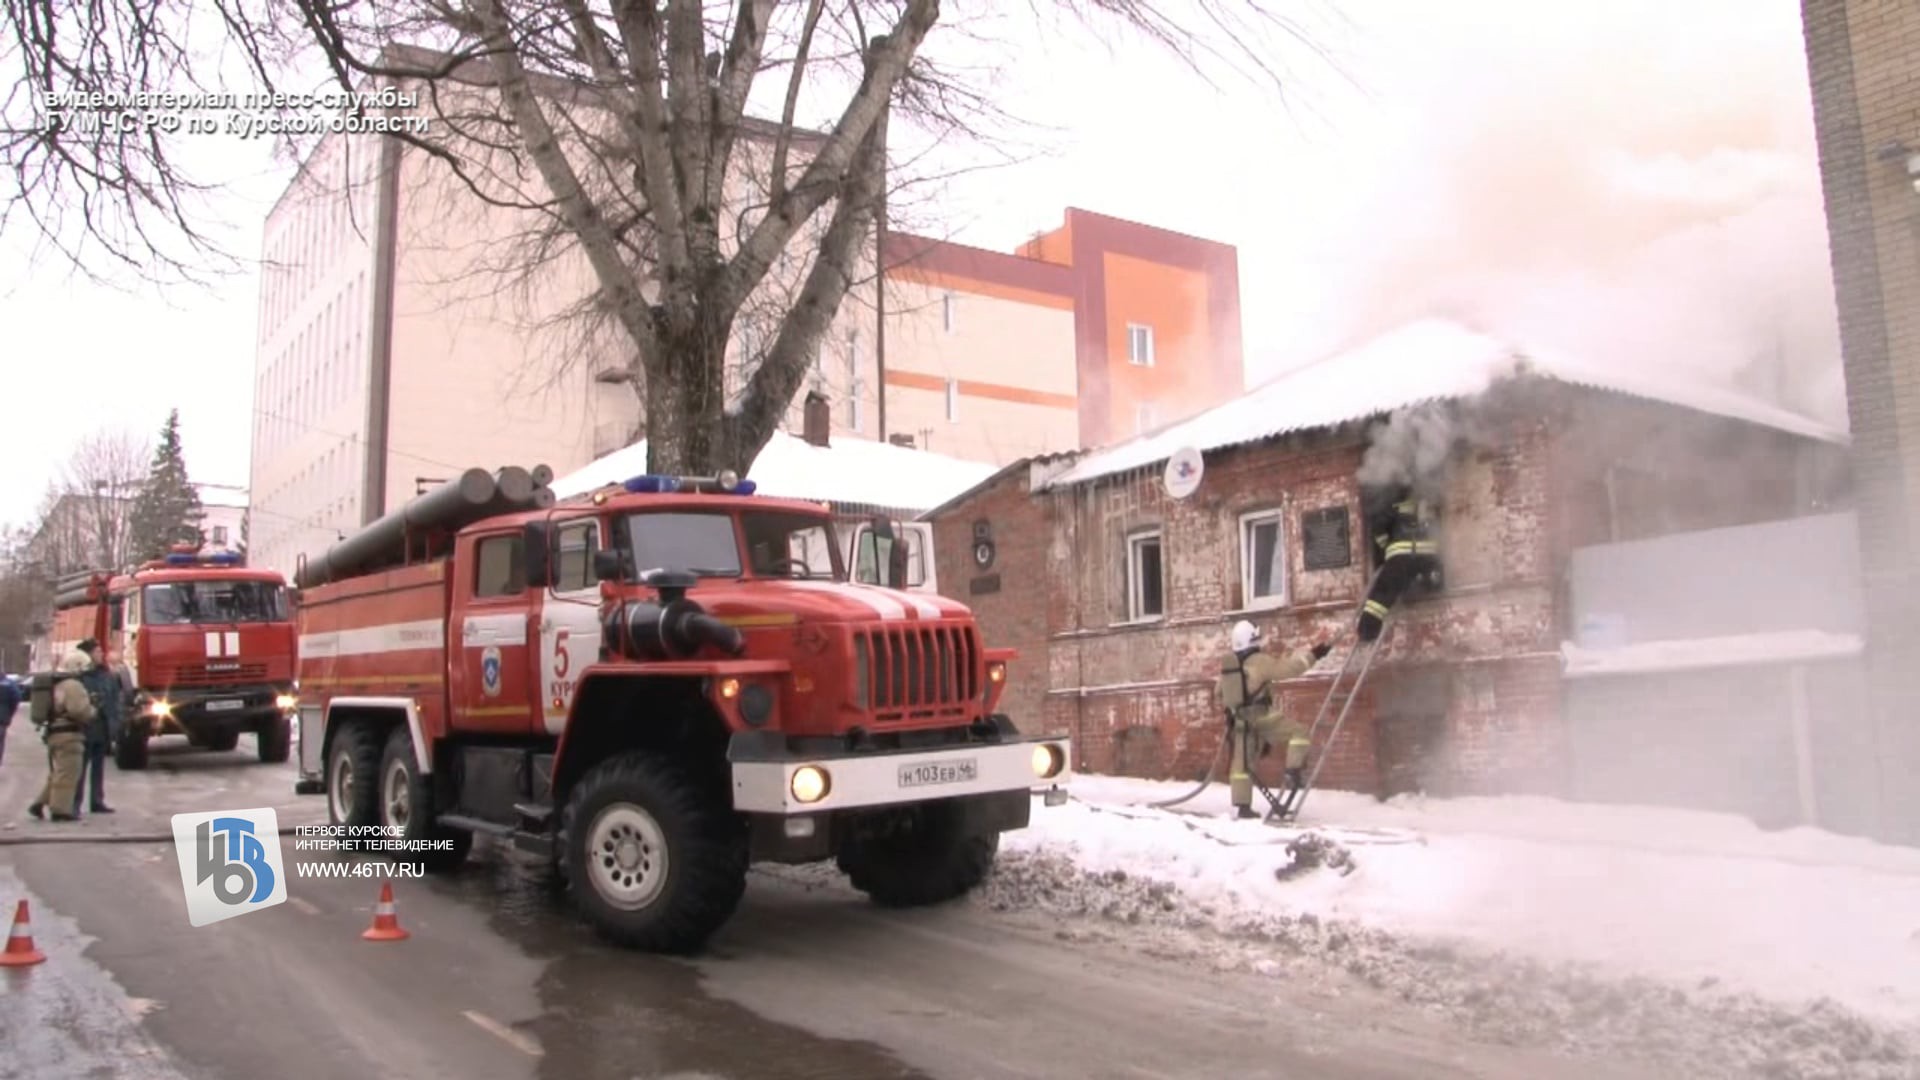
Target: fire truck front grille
218	674
909	672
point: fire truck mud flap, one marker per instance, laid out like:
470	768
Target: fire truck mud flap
309	732
768	779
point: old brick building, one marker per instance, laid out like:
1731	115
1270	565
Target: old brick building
1119	596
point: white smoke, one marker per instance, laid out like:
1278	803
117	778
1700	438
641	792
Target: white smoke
1634	183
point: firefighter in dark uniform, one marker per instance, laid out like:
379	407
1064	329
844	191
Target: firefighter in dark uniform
1403	530
1247	678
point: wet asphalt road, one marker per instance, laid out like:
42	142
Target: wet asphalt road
498	980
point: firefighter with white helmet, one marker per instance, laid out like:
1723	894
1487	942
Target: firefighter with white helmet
1248	693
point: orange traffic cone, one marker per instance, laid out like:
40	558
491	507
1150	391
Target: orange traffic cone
386	926
20	951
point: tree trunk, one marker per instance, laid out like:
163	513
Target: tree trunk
686	405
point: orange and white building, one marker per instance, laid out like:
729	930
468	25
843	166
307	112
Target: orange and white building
388	359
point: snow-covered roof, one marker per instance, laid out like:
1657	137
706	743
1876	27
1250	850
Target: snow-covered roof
1427	360
854	472
222	495
1734	650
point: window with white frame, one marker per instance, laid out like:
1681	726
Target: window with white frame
1146	581
953	400
1263	560
1139	345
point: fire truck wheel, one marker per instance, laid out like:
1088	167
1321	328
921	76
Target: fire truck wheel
130	749
353	770
655	858
274	743
934	859
406	803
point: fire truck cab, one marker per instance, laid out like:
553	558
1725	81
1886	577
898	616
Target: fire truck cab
205	642
654	685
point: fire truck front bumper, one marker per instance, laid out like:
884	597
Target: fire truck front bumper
768	781
183	712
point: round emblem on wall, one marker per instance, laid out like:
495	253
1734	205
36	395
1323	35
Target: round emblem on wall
490	671
1183	472
983	554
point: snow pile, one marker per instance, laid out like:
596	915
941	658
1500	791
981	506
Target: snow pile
857	472
1777	647
1427	360
1684	937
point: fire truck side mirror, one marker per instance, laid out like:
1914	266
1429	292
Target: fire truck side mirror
536	553
609	564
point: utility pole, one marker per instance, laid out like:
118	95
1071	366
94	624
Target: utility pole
880	279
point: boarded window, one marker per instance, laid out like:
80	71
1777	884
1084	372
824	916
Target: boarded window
1326	538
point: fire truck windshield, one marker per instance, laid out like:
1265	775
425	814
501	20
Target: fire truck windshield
184	602
779	544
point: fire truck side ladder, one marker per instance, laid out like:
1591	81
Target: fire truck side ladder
1287	807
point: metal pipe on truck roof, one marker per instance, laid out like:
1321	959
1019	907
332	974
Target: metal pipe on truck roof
542	475
456	503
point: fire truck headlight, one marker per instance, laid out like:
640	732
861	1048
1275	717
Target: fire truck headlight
161	709
997	672
729	688
810	784
286	702
1048	761
756	704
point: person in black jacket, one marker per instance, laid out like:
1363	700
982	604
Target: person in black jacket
10	697
103	686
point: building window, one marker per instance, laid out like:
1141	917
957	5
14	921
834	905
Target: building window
953	400
1139	345
1144	417
1146	593
947	313
220	535
1263	560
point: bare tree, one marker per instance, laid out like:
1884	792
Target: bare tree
85	518
620	124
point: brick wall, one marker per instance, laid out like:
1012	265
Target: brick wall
1008	597
1860	61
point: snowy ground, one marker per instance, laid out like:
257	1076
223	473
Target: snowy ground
1694	941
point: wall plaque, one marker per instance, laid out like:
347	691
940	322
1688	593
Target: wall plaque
1326	537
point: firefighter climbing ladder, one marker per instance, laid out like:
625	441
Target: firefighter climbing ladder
1287	807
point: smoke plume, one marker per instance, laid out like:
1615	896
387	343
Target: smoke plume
1410	449
1634	184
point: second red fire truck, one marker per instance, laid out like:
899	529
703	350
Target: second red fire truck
656	684
206	641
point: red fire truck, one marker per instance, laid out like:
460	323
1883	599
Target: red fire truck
206	642
653	685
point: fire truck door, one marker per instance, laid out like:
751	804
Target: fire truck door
569	622
490	691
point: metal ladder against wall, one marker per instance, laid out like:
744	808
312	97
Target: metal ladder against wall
1287	806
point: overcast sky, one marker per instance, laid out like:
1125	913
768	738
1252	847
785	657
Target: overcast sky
1543	171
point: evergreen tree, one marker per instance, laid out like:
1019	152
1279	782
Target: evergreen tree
246	526
167	511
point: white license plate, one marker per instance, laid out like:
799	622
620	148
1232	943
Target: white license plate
225	706
931	773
